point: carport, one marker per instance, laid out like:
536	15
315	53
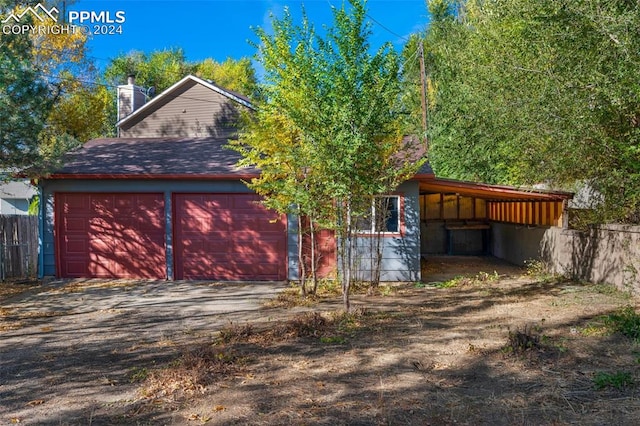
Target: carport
466	218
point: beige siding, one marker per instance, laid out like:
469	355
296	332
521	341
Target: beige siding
193	111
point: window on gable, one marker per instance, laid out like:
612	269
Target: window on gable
384	216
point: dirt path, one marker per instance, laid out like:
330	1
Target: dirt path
70	349
491	347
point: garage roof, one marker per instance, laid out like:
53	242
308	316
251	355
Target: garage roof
154	158
175	158
490	192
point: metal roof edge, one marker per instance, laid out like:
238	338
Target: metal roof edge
530	192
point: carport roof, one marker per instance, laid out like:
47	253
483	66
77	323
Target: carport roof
490	192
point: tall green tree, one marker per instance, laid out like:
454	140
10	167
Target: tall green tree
339	102
163	68
233	74
159	69
39	74
545	91
25	101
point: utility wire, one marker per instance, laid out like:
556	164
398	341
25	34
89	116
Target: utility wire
385	28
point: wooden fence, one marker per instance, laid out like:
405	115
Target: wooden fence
18	246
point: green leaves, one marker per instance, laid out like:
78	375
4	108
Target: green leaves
327	134
531	92
24	103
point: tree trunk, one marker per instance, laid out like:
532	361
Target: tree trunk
347	256
380	220
301	263
314	266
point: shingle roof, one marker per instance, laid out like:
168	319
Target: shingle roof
413	151
154	158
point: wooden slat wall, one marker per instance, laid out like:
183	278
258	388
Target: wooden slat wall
455	207
543	213
451	207
18	246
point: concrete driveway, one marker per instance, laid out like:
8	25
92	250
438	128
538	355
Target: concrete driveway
71	349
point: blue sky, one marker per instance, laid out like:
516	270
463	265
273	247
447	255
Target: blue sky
221	28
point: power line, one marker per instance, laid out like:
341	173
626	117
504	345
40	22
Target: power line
368	15
385	28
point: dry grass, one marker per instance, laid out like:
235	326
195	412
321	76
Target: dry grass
504	350
493	349
191	375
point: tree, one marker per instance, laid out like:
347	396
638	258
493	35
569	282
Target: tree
338	104
237	75
39	72
159	69
163	68
25	102
546	91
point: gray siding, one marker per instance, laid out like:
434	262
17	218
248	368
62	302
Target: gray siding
193	111
400	255
50	187
292	247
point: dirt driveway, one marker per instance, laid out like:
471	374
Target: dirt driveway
71	348
477	343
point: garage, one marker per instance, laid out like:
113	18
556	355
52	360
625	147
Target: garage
110	235
228	237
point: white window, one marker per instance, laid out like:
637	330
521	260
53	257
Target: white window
384	216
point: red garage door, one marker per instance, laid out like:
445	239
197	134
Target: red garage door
228	237
110	235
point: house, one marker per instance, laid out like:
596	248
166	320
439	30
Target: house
165	200
15	197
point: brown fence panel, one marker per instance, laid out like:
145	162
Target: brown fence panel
18	246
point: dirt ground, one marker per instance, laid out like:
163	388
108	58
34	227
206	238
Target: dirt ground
477	342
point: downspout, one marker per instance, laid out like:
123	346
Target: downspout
41	211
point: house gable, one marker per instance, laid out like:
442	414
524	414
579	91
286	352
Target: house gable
190	108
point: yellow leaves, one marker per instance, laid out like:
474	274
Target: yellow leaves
432	92
51	50
236	75
82	114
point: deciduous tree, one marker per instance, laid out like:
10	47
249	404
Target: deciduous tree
340	104
545	91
